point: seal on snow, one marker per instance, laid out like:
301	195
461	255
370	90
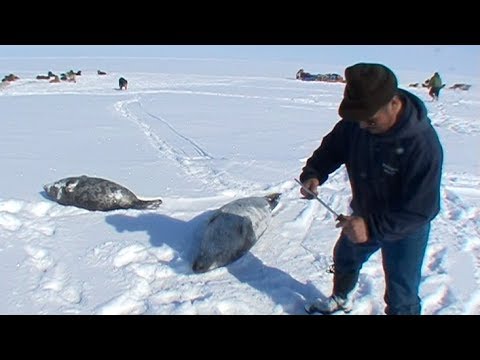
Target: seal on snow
232	230
96	194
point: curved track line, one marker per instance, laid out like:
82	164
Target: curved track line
199	168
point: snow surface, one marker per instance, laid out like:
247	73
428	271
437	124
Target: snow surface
199	133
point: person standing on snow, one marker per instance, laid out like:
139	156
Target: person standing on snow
435	85
394	159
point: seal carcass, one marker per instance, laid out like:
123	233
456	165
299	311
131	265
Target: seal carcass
94	194
232	231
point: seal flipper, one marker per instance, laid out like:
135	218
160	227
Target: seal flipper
147	204
273	200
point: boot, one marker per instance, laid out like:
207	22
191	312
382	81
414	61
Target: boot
343	284
330	305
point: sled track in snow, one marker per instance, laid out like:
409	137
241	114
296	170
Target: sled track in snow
181	150
196	147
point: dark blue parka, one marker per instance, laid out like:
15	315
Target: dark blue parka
395	176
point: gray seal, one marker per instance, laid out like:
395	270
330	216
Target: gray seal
96	194
232	231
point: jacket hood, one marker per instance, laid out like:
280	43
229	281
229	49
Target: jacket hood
413	120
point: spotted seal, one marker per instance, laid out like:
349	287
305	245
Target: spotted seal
232	231
96	194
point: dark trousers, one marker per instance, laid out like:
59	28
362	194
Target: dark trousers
402	264
434	92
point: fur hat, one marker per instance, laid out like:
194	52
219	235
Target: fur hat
368	87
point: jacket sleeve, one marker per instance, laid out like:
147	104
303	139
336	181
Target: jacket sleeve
421	197
328	157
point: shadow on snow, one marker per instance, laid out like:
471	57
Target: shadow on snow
184	238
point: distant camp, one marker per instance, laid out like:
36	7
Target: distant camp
330	77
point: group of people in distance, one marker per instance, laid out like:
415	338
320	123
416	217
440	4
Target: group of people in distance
434	84
69	76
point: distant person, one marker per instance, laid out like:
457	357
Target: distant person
71	77
394	159
300	74
305	76
435	85
122	83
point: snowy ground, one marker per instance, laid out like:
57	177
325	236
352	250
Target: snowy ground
198	135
